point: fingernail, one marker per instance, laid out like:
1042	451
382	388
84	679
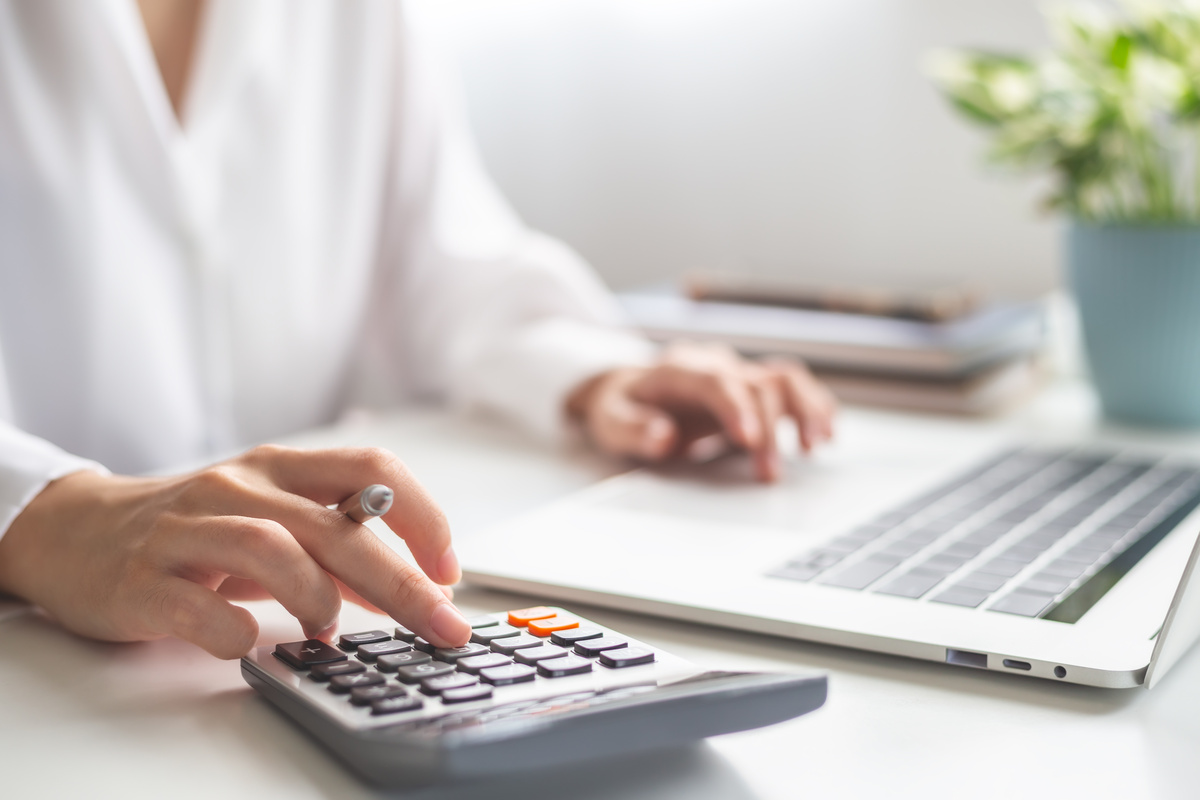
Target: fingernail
449	625
448	569
655	438
751	430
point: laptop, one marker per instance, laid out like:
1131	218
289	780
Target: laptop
1067	557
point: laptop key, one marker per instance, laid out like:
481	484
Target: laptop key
982	581
1022	603
862	574
961	596
1002	566
912	584
1051	584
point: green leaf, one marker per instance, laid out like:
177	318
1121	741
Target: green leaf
1118	54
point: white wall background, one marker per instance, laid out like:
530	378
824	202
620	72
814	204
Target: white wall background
785	137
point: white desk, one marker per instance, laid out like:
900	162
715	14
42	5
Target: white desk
164	720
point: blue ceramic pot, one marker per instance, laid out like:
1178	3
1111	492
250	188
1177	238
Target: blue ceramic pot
1138	289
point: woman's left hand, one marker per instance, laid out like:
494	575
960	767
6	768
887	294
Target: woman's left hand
655	413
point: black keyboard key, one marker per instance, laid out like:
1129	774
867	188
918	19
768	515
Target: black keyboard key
342	684
594	647
487	635
395	705
862	574
323	672
512	673
370	652
1025	604
404	634
911	584
482	621
567	665
393	662
365	695
473	664
569	637
533	655
418	672
961	596
468	693
452	654
510	645
350	641
302	655
424	645
627	657
441	683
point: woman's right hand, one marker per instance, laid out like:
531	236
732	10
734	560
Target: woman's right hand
128	559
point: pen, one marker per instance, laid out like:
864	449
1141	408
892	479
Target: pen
373	501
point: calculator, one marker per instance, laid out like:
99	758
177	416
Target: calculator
534	688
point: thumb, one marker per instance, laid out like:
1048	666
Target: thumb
622	426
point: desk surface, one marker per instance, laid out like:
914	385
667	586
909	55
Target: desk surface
163	719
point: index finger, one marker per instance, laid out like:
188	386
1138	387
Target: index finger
330	476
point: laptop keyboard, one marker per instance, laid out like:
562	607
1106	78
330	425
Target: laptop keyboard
1035	533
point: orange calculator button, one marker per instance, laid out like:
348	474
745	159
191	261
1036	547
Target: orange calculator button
545	627
522	616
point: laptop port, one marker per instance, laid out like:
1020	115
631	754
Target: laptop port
1012	663
965	658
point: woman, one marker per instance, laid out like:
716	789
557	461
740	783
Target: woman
225	221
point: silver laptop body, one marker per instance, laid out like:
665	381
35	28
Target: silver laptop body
808	558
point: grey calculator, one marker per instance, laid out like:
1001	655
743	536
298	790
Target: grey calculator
534	687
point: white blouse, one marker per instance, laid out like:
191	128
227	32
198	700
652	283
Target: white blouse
317	233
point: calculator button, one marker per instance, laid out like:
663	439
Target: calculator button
423	645
482	621
370	652
488	635
419	672
473	664
453	654
349	641
626	657
365	695
513	673
342	684
512	644
596	646
523	616
393	662
323	672
535	654
467	694
404	634
545	627
394	705
441	683
566	665
302	655
572	635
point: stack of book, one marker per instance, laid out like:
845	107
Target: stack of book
939	352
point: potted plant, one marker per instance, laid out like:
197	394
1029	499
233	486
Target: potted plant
1113	114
